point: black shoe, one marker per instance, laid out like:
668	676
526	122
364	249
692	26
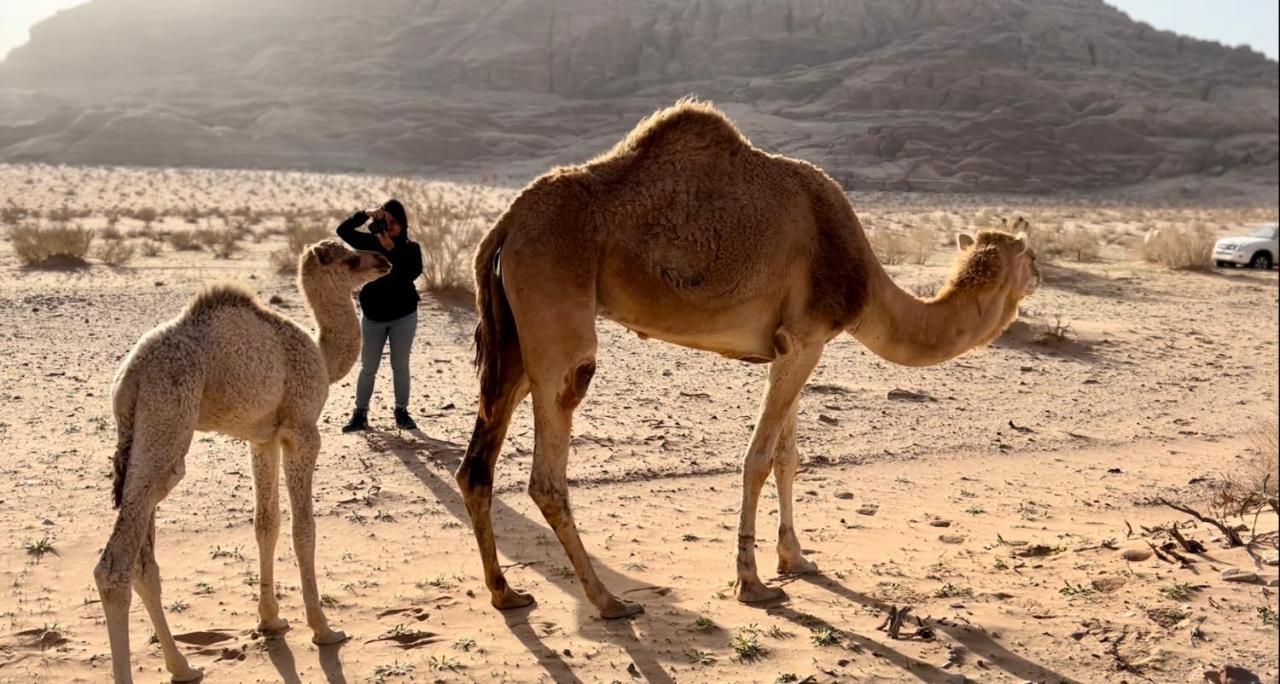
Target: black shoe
359	421
403	421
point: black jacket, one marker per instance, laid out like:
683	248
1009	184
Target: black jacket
393	295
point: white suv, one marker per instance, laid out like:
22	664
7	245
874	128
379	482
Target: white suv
1258	249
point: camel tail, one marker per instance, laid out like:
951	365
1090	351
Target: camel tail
126	403
496	329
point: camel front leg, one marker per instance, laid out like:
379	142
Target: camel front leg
301	450
266	527
787	376
791	560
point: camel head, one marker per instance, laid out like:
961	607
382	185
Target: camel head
996	260
332	264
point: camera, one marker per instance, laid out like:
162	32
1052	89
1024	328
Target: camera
378	226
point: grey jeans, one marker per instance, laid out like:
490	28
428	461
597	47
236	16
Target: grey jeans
374	336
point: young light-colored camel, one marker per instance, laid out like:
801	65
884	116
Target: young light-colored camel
687	233
228	364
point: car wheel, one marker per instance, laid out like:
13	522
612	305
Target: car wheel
1261	261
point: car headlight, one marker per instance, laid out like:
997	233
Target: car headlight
1227	248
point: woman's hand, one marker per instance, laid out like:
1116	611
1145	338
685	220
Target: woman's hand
385	241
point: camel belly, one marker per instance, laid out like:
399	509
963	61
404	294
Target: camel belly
745	333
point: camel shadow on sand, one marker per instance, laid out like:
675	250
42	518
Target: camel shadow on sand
665	621
509	525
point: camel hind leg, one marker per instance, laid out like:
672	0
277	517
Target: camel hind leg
475	474
791	560
155	465
146	581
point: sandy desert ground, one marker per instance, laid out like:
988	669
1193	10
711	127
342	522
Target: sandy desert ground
998	505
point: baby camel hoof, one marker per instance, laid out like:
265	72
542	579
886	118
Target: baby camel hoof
276	626
619	608
510	599
758	593
797	567
329	638
191	674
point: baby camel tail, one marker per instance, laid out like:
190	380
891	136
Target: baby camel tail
228	364
687	233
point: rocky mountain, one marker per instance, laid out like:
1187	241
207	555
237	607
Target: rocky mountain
938	95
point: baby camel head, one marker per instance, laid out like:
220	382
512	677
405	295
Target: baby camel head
331	265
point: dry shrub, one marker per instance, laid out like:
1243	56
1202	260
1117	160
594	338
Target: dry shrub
890	246
37	245
298	235
223	242
921	241
448	222
1081	244
150	248
1261	478
1180	248
184	240
115	251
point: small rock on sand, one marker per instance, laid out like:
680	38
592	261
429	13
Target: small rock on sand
951	538
844	495
1238	575
939	522
868	509
1135	554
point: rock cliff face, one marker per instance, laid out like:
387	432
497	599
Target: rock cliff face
946	95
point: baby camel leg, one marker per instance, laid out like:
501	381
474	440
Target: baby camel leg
302	446
266	527
155	466
146	581
791	560
787	376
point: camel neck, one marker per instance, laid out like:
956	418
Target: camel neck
904	329
338	334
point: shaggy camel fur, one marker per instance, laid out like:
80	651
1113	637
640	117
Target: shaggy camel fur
228	364
687	233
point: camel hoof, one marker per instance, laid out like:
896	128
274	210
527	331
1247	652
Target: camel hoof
758	593
619	608
191	674
510	599
802	566
276	626
329	638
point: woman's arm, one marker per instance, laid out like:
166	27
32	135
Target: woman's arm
363	241
407	262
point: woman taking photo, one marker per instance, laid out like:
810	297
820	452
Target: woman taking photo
388	306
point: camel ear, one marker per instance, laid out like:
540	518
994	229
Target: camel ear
964	241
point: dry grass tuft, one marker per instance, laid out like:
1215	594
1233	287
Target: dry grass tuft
921	241
184	240
448	225
298	235
150	248
1180	248
115	251
891	247
1081	244
37	245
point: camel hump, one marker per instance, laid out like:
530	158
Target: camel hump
688	128
223	295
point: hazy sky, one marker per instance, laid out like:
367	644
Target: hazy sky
1251	22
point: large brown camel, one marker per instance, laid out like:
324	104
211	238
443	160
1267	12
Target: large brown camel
687	233
228	364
